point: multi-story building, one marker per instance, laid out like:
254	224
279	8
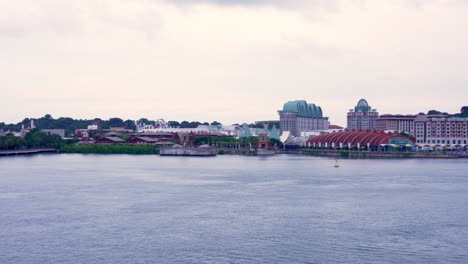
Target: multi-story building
362	116
441	130
401	123
298	116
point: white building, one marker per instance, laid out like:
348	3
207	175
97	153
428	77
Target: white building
441	130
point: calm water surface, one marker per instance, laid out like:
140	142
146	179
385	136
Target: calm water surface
231	209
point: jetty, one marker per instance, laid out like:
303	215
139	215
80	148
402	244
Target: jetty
26	152
178	150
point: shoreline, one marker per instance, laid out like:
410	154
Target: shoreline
307	152
26	152
376	154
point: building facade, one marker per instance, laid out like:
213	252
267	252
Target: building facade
362	116
401	123
370	140
441	130
299	116
60	132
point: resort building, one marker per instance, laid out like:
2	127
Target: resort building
401	123
110	140
361	140
441	130
142	141
362	116
298	116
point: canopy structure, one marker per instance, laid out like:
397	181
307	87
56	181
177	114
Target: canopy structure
361	138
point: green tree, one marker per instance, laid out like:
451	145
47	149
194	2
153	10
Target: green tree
129	124
115	122
276	141
434	112
173	124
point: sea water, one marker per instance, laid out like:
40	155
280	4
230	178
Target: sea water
73	208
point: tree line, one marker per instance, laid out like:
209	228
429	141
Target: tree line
110	149
70	125
33	139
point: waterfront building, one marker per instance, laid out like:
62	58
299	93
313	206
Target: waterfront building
95	126
267	123
245	131
156	135
120	129
441	130
264	141
401	123
112	134
161	126
164	143
60	132
142	141
299	116
362	116
274	133
110	140
361	140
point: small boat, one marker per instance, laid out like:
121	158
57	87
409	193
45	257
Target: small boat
336	164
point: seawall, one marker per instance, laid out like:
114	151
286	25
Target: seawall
26	152
370	154
171	151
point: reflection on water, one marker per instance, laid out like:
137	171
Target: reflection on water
231	209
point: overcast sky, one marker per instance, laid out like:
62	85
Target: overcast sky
230	61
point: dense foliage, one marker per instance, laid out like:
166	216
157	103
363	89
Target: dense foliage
110	149
192	124
229	141
213	140
33	139
70	124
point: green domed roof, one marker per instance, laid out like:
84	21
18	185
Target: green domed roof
302	108
362	106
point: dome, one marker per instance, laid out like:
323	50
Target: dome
303	109
362	103
362	106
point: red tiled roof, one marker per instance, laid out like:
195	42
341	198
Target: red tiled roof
353	137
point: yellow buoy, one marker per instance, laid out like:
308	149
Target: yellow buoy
336	164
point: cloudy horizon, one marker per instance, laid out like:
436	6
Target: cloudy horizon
230	61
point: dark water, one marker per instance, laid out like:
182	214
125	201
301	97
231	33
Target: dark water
231	209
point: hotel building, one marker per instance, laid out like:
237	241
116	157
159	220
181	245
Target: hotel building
362	116
441	130
298	116
401	123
